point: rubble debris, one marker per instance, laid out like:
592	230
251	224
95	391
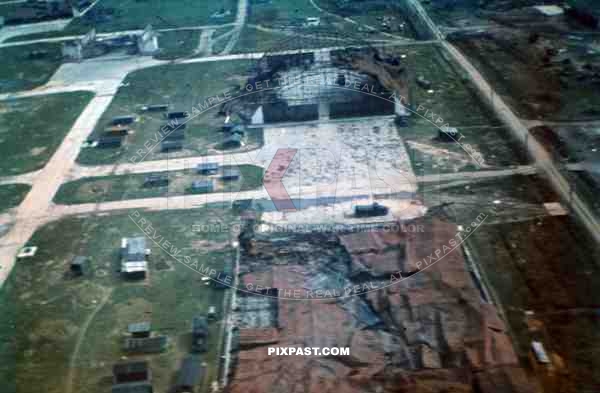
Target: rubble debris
429	333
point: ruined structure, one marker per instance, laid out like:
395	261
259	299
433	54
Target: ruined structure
90	45
430	331
147	42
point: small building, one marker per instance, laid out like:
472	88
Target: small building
109	141
448	134
230	174
372	210
134	248
154	344
203	186
116	130
233	140
136	371
78	265
155	108
177	115
134	387
312	21
199	334
171	145
123	120
423	83
212	313
156	180
133	257
190	375
139	329
208	168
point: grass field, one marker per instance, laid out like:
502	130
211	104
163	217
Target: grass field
452	98
23	70
520	197
176	44
431	155
25	13
521	252
182	87
281	12
115	15
114	188
31	129
525	263
44	308
220	39
512	66
8	10
11	195
372	14
255	40
331	33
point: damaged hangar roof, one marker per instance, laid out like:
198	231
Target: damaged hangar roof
430	333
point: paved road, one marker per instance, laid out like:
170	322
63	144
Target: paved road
26	178
34	211
54	89
308	193
43	27
33	29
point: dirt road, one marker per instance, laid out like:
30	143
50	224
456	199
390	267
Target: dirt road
478	175
542	159
205	43
240	20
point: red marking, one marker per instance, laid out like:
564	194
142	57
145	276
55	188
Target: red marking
274	176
